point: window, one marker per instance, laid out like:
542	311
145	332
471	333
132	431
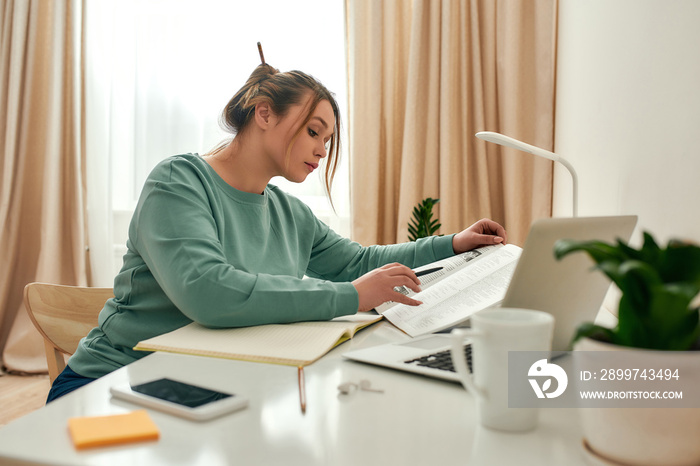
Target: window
158	75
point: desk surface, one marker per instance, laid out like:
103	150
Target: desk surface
417	420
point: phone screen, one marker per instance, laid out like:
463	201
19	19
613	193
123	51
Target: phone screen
180	393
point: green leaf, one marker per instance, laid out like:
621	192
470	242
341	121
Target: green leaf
631	328
674	324
593	331
649	253
682	263
650	247
689	334
628	251
597	250
637	279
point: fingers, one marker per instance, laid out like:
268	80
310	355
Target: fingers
401	272
499	231
490	232
485	232
492	239
403	299
381	285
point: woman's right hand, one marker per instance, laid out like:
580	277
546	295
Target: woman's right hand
377	287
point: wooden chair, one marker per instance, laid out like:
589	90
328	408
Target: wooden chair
63	315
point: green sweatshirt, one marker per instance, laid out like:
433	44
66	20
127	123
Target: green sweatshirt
200	250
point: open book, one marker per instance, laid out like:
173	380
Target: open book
467	283
297	344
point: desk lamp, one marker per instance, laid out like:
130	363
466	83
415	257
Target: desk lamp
507	141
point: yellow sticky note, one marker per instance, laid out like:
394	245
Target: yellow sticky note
97	431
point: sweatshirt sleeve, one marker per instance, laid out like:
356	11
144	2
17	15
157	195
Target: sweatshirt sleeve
177	235
339	259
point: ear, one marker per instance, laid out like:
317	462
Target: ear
264	116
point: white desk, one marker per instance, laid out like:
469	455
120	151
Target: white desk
416	421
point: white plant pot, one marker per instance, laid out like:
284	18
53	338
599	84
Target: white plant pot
644	436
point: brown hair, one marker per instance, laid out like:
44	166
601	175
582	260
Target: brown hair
282	91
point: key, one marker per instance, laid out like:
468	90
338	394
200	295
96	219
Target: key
366	386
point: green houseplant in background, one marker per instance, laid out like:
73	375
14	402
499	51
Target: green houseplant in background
422	224
657	318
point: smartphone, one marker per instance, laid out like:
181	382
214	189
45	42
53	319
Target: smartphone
181	399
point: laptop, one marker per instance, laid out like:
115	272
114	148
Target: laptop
567	289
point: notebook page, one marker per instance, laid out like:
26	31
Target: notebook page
293	344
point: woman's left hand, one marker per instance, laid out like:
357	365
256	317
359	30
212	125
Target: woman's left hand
485	232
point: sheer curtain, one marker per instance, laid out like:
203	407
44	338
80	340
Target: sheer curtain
425	76
158	75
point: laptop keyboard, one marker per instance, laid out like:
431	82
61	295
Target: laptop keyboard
442	360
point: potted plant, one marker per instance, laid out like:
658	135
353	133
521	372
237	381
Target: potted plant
657	313
422	224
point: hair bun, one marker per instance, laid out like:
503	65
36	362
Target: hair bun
266	71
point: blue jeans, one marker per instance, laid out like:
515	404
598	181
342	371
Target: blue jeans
66	382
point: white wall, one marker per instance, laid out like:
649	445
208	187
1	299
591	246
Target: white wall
628	112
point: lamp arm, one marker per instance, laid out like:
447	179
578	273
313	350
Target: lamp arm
574	183
507	141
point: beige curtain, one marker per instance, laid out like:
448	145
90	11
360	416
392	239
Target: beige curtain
41	163
424	77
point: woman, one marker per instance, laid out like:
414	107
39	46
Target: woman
212	241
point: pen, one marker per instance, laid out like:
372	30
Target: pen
427	271
302	390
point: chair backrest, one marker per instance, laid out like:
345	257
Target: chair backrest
63	315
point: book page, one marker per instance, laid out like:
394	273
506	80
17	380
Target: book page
297	344
480	285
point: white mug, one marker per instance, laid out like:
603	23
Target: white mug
493	333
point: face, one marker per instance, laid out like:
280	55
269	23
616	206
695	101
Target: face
311	145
